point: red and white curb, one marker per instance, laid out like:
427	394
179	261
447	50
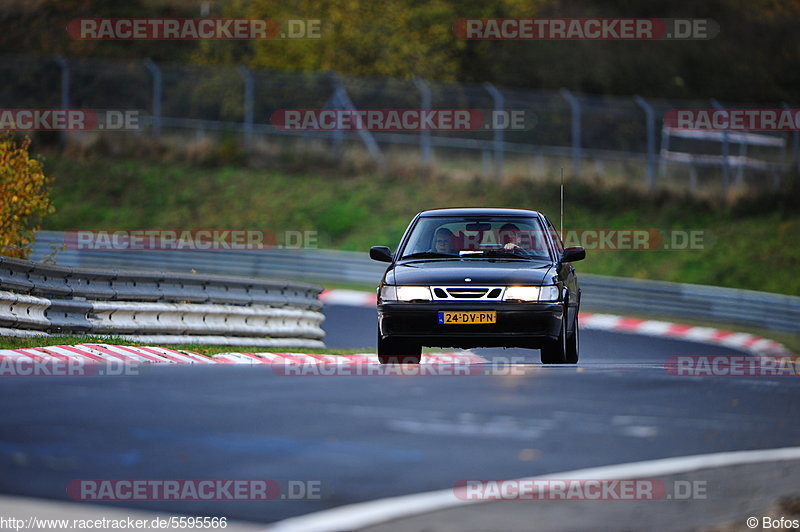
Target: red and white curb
707	335
465	357
353	298
107	353
103	354
611	322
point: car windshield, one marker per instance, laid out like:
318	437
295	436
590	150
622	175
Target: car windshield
513	238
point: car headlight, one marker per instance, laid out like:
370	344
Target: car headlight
531	293
405	293
549	293
522	293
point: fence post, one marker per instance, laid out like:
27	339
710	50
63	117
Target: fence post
651	140
424	134
795	143
156	73
662	160
498	132
726	171
575	109
64	65
248	106
344	102
486	161
333	103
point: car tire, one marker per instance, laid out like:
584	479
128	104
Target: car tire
394	351
555	351
573	343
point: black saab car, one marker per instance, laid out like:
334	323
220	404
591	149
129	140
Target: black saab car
477	277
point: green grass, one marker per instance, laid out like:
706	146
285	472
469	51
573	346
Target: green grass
750	244
208	350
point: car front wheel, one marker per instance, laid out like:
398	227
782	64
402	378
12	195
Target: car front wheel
573	344
563	350
394	351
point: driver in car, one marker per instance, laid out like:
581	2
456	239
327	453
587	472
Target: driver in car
510	236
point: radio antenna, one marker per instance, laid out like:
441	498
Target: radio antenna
562	203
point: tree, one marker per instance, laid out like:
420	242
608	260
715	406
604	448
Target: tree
24	196
402	39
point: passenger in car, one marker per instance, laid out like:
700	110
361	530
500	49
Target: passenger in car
443	241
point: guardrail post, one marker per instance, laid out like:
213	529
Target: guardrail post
651	140
156	73
575	109
499	149
726	171
424	134
249	89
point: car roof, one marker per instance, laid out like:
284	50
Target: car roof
479	211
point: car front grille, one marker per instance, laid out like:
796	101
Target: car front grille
467	293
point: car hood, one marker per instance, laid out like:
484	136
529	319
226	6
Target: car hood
480	271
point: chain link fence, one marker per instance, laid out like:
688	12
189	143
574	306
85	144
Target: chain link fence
587	135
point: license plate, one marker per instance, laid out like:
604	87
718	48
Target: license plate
467	318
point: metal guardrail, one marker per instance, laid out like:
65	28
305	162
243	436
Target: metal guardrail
678	300
302	264
175	307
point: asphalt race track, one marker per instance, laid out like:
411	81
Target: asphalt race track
364	438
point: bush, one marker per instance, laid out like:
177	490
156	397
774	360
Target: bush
24	196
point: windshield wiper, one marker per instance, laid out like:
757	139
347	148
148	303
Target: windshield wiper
430	255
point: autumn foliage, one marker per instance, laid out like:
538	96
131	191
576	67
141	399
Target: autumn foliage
24	196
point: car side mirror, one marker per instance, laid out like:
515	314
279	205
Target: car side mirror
381	253
573	253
